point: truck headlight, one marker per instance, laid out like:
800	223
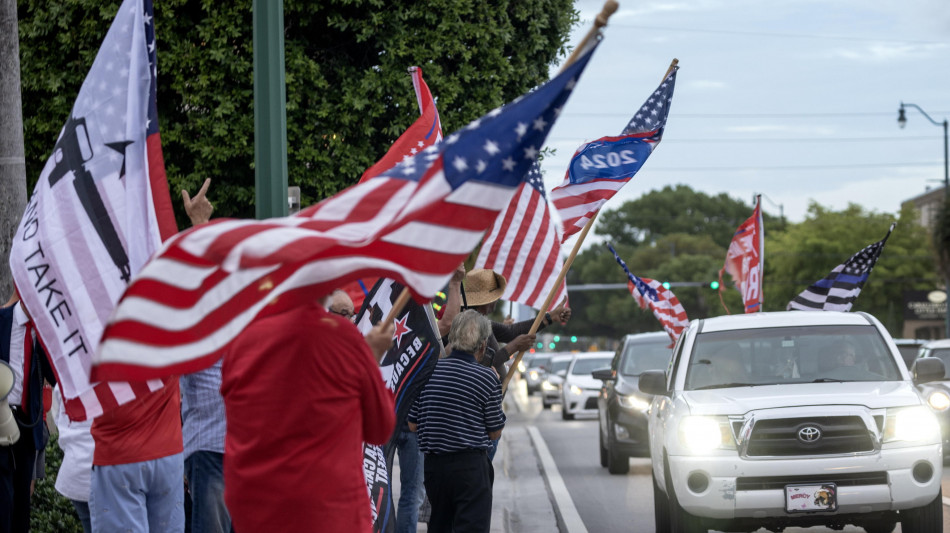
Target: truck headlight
546	385
705	433
576	391
939	401
911	424
633	402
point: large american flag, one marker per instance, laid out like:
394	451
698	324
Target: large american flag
424	132
650	294
600	168
524	246
415	224
840	288
99	210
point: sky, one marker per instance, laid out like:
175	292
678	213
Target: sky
796	100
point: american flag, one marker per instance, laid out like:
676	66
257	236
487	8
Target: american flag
524	246
650	294
99	210
424	132
415	224
840	288
600	168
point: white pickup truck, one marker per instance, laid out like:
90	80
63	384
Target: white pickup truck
793	419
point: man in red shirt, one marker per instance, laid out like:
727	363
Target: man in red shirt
302	391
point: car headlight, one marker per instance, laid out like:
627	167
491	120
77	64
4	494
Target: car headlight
939	401
911	424
576	391
705	433
533	374
633	402
546	385
521	367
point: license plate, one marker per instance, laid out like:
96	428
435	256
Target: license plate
811	498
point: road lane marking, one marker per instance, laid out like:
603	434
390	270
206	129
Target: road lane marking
562	498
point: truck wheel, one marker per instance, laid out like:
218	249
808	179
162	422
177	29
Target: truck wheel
680	520
565	415
885	527
928	518
661	509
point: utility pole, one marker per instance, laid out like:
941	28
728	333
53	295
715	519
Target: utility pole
12	162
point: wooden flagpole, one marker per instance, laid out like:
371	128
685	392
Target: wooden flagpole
580	238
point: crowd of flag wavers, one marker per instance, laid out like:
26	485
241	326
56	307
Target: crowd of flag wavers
228	355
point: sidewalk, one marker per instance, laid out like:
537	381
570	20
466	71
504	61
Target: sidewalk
520	499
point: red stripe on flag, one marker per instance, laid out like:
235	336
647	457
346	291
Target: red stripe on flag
164	214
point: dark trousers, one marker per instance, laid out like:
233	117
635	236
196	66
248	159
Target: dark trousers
16	474
459	486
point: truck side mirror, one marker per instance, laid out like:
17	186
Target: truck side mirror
928	369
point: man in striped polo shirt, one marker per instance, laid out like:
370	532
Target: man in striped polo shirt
457	415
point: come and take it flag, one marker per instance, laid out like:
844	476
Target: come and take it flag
600	168
100	209
424	132
406	368
415	223
840	288
745	260
650	294
524	246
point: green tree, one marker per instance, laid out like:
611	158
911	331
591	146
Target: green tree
677	209
806	252
348	94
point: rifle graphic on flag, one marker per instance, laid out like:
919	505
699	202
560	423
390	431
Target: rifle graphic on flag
72	241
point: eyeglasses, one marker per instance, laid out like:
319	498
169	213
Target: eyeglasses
345	313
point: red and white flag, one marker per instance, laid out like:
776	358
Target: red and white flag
414	223
745	260
524	246
100	209
424	132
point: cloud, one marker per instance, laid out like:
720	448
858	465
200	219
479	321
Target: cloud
885	52
703	85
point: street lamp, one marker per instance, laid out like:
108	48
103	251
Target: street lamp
902	121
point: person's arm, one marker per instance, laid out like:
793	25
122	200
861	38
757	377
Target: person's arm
494	416
453	301
377	404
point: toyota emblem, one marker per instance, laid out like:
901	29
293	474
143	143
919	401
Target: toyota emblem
809	434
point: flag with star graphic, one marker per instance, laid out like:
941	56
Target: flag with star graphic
524	246
650	294
600	168
99	210
424	132
840	288
406	368
414	223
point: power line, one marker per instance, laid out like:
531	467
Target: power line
780	35
674	140
856	114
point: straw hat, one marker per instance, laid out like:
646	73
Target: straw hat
483	286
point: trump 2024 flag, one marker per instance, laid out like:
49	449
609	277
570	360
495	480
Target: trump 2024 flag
99	210
744	260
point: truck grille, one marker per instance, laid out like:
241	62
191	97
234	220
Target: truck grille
840	479
780	437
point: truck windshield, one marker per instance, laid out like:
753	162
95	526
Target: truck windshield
801	354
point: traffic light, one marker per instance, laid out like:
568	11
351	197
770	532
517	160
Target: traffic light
557	338
666	285
573	338
552	345
714	285
540	345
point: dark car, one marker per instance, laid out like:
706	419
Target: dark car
536	370
937	393
621	407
